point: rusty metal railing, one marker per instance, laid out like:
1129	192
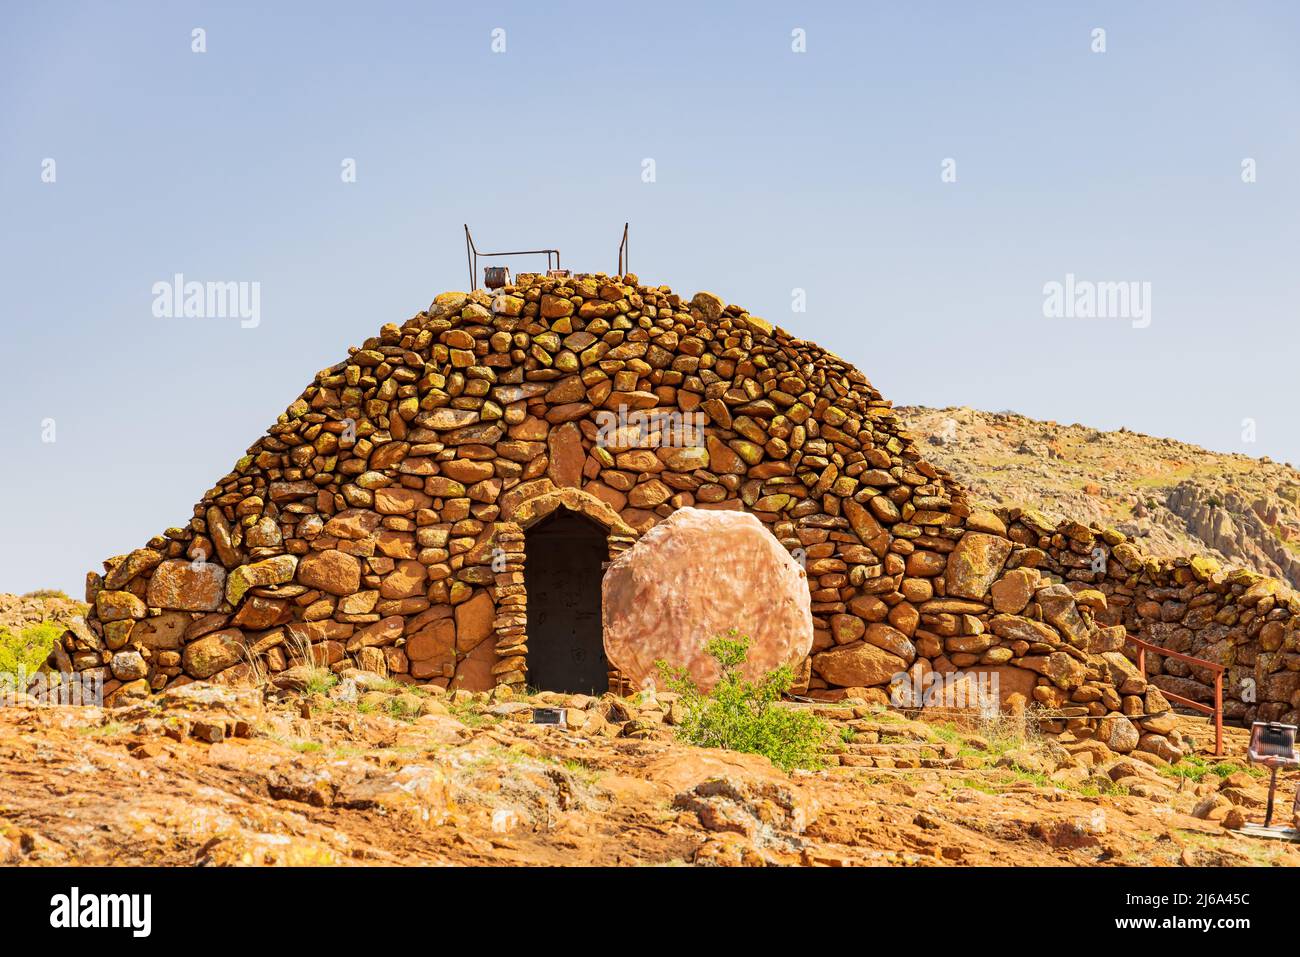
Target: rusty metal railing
1217	710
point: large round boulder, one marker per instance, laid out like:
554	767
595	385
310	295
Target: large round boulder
698	574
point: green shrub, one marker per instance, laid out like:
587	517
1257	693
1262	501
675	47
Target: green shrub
741	715
48	593
403	708
320	681
1196	768
27	649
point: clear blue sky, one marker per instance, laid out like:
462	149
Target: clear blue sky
774	171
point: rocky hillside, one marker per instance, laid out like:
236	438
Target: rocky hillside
29	625
18	612
1171	498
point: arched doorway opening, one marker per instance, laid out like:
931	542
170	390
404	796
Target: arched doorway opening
564	556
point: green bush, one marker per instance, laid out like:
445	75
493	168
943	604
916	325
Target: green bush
48	593
741	715
28	648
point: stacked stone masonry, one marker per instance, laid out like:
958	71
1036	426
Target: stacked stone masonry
380	522
1244	621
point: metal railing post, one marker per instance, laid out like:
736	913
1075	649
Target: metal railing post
1218	714
1272	787
469	257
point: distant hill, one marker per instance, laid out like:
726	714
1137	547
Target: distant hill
22	611
1171	497
29	626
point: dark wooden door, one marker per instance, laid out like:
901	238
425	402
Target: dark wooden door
564	558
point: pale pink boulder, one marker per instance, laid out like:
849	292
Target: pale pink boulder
698	574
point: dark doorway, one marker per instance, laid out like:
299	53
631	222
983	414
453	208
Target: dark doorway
563	562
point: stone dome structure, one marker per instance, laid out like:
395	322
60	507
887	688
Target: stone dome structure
439	505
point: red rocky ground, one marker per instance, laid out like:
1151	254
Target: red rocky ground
215	776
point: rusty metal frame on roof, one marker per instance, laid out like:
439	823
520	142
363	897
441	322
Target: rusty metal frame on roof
472	256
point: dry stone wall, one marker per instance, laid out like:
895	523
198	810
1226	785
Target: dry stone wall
1247	622
380	522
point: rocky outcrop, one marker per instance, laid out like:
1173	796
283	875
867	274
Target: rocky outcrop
1169	498
22	611
1260	533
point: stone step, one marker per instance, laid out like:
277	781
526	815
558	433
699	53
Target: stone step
937	749
905	762
908	731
